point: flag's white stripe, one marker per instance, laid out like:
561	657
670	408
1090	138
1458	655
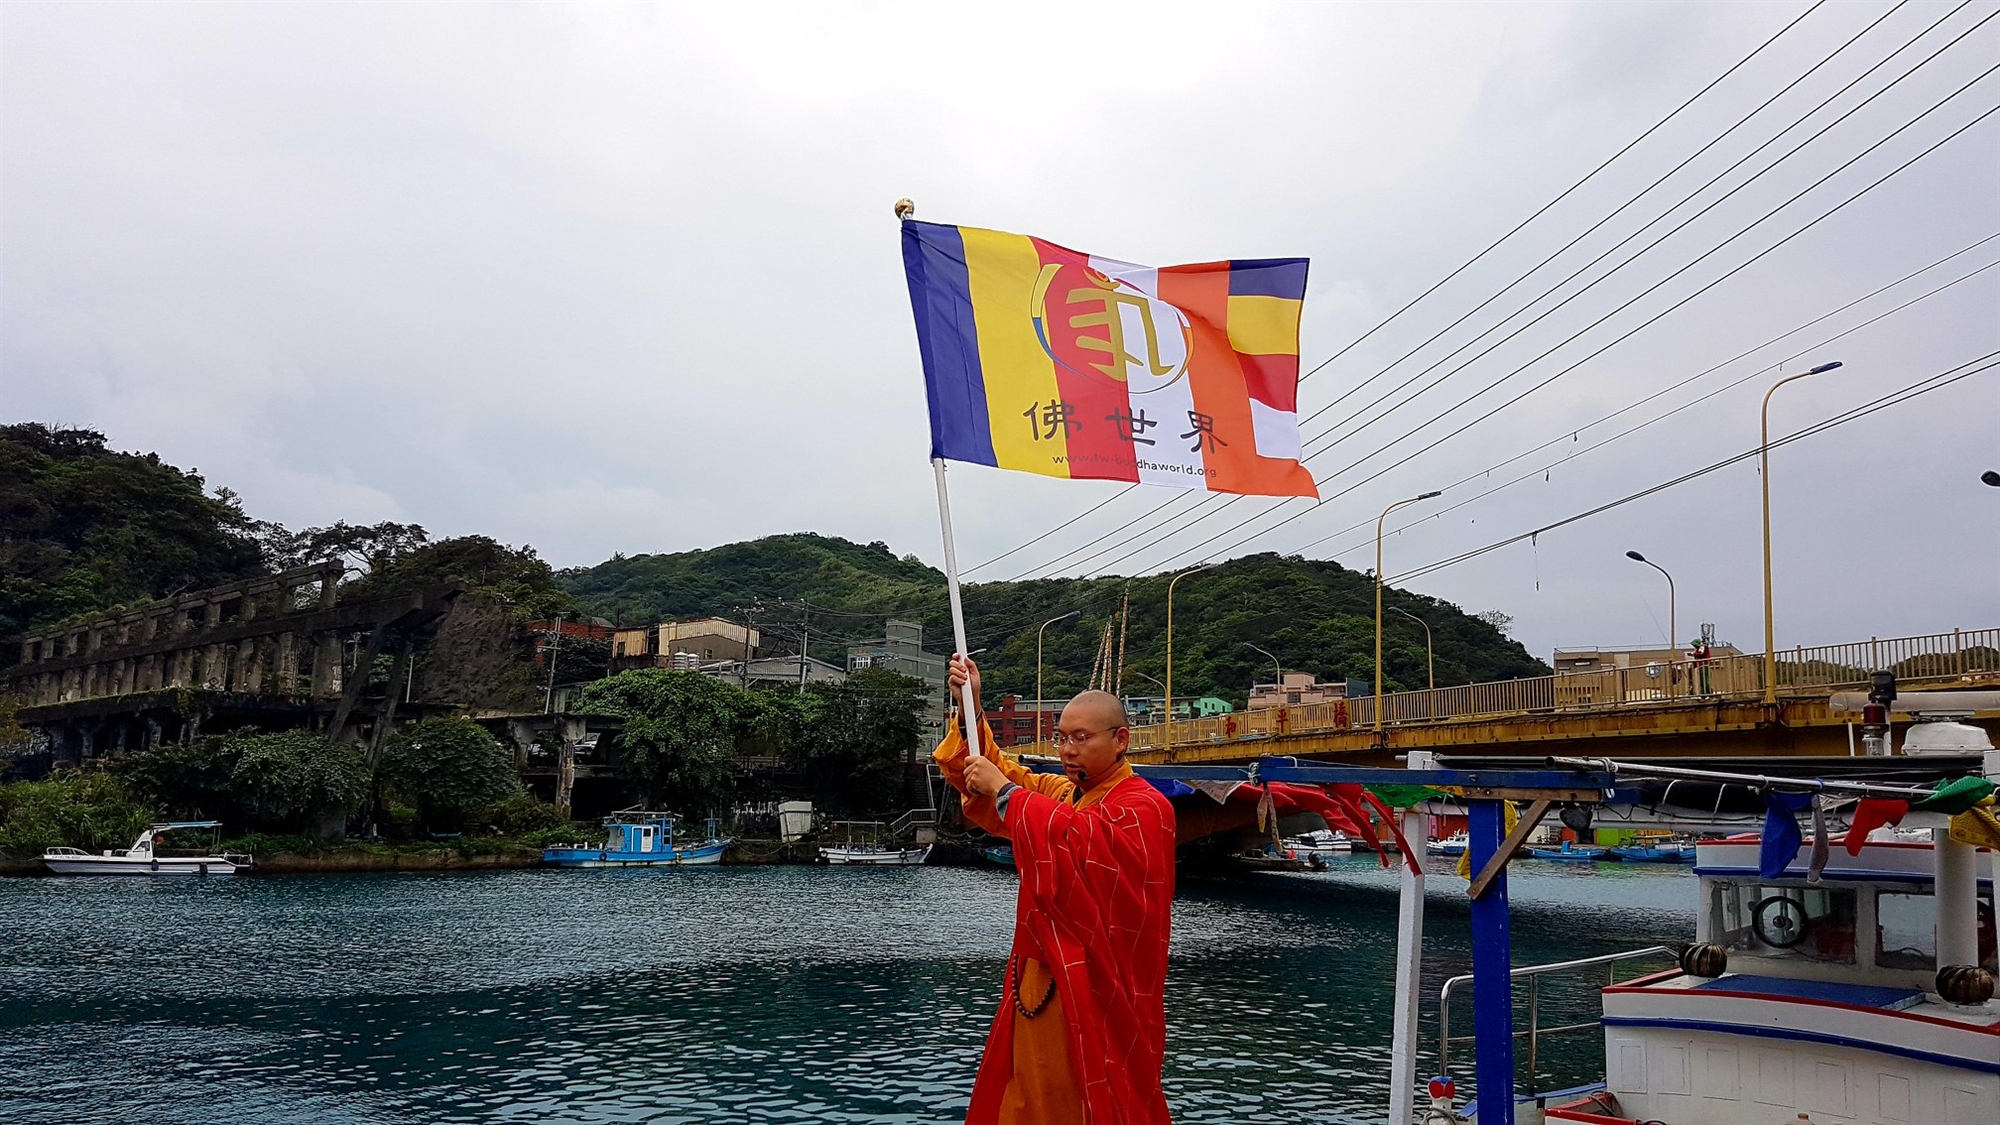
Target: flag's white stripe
1171	461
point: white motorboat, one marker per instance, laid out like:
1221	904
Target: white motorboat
869	855
1452	845
1322	843
868	850
144	858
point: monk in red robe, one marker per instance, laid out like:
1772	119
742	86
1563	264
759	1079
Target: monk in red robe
1081	1034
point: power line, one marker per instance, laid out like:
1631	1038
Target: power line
1469	262
1434	443
1230	502
1894	398
1668	389
1586	328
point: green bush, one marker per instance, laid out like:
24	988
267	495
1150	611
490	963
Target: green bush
192	781
522	813
564	834
448	768
297	779
91	811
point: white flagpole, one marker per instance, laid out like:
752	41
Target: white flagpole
966	702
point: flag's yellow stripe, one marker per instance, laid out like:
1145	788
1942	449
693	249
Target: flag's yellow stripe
1001	271
1264	325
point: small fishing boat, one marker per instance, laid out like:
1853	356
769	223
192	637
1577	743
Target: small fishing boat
869	850
1570	853
1664	852
1321	843
1000	857
1454	844
144	858
1268	858
641	839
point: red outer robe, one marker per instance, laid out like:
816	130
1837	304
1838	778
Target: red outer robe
1097	889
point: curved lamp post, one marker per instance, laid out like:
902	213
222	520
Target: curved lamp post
1430	654
1378	598
1673	625
1072	615
1171	583
1274	663
1764	471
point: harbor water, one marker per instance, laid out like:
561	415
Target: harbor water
765	994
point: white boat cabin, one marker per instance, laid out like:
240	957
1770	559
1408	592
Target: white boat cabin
1828	1010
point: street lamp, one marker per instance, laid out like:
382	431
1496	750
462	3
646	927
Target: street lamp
1072	615
1169	685
1149	679
1673	626
1764	471
1378	598
1430	655
1274	663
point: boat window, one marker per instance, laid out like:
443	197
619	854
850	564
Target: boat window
1805	923
1906	930
615	842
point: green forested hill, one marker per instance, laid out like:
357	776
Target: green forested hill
83	527
1315	616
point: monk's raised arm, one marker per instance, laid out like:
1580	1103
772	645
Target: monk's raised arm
951	756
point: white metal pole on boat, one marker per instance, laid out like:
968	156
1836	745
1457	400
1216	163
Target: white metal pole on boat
1409	963
966	699
1957	891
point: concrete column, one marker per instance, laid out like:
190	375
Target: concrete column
329	590
287	670
326	666
250	665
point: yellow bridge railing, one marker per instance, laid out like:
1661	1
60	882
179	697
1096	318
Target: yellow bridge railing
1937	658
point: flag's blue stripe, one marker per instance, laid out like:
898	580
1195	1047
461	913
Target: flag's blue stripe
941	297
1268	277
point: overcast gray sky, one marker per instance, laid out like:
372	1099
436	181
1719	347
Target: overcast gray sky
625	278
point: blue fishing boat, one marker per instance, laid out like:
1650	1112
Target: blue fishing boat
1570	852
1654	853
641	839
1001	856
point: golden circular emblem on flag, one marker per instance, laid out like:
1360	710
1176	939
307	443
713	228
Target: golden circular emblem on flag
1107	328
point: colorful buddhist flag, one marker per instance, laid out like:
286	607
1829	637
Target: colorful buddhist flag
1052	361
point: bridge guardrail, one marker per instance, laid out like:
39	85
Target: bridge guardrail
1917	661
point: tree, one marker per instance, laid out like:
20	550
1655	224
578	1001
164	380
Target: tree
680	733
478	564
297	779
1500	621
361	547
83	528
858	737
448	767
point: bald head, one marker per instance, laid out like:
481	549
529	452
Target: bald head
1099	709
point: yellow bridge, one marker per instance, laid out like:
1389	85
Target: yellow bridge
1702	708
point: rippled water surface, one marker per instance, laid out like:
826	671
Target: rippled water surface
722	995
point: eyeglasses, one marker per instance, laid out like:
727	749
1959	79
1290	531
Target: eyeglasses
1065	738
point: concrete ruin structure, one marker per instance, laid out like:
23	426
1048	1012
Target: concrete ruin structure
279	651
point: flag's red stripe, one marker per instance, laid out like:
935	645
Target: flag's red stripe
1096	450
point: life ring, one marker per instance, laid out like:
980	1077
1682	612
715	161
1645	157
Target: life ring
1779	922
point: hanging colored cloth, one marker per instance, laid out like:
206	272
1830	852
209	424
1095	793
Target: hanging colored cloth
1781	838
1816	862
1870	814
1403	796
1977	827
1954	796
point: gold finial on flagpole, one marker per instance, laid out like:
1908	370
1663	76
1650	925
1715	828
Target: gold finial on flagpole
905	209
